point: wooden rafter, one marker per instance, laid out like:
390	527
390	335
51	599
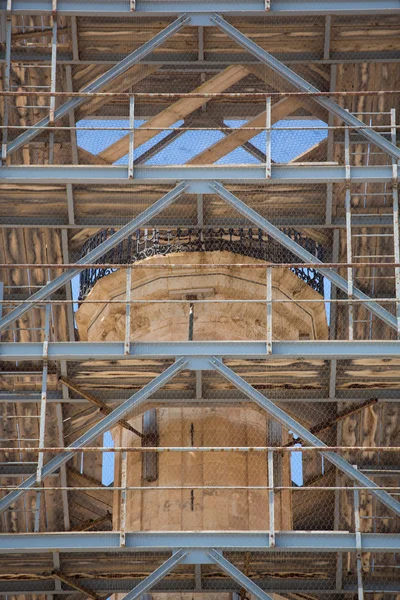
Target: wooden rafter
239	136
104	408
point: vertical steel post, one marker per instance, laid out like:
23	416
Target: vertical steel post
53	67
72	124
357	528
43	403
268	159
332	395
74	40
269	310
61	442
200	211
131	136
43	409
128	294
98	429
7	75
395	188
330	150
95	254
38	502
123	499
303	254
287	421
271	497
350	280
51	147
301	84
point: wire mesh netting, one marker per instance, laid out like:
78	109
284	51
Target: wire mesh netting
155	444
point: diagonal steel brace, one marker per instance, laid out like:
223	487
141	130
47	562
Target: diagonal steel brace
98	429
303	85
288	421
94	255
95	86
303	254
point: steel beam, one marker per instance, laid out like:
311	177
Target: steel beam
174	7
301	84
119	585
97	85
237	575
303	254
153	542
280	415
251	174
307	349
94	255
156	575
94	432
96	222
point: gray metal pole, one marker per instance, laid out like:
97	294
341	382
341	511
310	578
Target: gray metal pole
282	238
237	575
101	81
286	420
98	429
95	254
157	575
303	85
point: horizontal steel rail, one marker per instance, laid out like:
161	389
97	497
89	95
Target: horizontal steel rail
47	290
287	421
303	254
301	84
95	431
307	349
109	541
115	71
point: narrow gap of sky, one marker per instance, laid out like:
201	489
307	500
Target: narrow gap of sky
286	145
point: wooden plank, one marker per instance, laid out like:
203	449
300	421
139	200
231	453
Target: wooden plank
102	499
237	138
317	153
272	79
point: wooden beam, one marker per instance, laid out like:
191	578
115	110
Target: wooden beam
121	84
102	499
277	82
312	154
240	136
76	586
339	417
87	158
177	111
90	523
104	408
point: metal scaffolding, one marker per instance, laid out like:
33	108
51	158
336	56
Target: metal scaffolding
138	78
